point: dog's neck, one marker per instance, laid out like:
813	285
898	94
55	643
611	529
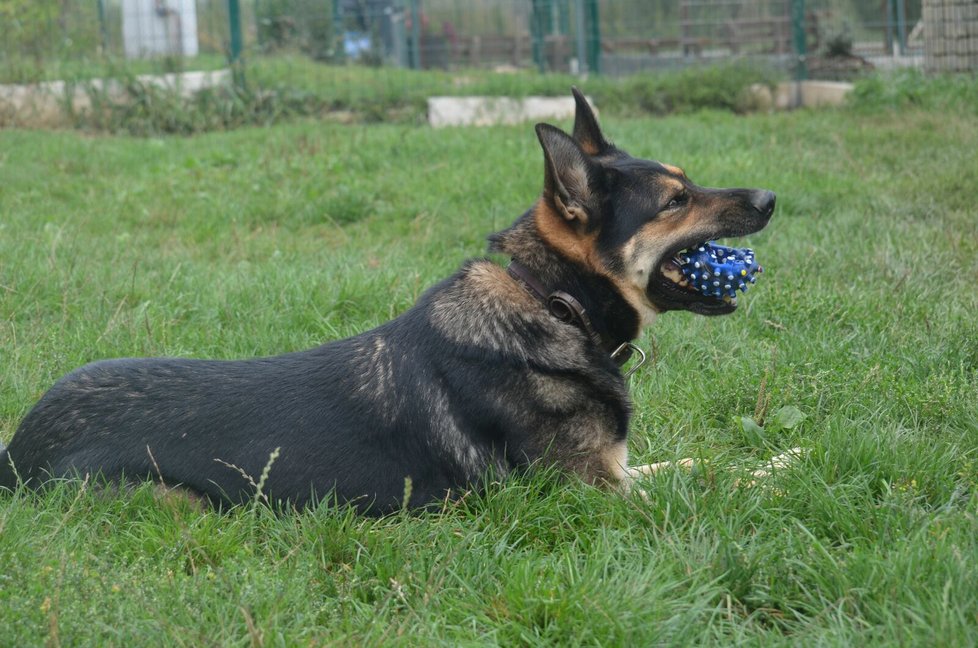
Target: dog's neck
611	316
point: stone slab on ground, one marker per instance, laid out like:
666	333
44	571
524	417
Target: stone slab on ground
487	111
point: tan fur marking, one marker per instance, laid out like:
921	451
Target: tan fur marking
555	231
672	183
493	280
643	251
589	147
582	249
616	459
674	170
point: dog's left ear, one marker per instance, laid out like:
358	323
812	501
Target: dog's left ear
568	175
586	129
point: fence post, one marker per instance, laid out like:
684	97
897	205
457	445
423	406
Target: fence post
593	37
798	33
103	31
901	19
579	29
415	34
234	20
537	43
339	53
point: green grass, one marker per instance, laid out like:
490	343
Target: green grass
261	241
80	68
281	88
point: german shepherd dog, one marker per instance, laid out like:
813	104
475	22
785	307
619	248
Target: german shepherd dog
493	370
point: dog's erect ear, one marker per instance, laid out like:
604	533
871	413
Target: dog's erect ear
586	129
567	183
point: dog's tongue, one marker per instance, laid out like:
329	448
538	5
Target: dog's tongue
717	270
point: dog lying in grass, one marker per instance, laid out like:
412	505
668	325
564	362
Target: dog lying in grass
493	370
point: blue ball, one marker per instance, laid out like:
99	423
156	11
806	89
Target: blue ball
718	270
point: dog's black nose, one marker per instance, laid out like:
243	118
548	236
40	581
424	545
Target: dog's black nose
763	201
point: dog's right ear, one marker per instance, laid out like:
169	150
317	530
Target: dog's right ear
586	129
568	173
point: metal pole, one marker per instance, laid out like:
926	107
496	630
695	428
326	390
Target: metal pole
594	37
338	52
891	43
234	18
798	29
103	30
901	11
581	43
537	35
416	34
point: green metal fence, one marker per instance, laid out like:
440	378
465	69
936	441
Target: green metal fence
41	37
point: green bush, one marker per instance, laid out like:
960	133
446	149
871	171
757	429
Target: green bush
913	89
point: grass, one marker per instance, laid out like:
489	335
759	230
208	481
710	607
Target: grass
285	87
265	240
29	70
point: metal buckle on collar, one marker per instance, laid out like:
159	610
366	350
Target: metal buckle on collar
631	349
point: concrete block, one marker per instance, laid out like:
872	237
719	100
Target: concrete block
486	111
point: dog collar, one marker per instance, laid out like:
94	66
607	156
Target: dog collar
564	307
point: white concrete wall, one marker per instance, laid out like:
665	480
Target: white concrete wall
146	33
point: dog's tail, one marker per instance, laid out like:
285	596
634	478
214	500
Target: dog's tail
8	477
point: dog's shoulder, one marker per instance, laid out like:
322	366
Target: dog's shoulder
482	307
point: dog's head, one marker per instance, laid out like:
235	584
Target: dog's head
629	218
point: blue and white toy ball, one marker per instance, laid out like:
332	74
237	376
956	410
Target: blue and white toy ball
719	271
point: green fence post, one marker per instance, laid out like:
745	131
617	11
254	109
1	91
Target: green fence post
537	32
887	36
901	20
593	37
563	17
415	34
103	30
234	20
338	52
798	28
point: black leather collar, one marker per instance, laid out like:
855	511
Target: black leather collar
567	308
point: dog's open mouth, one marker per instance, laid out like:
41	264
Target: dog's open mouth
704	278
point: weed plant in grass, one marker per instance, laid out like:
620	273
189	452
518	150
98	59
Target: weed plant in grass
261	241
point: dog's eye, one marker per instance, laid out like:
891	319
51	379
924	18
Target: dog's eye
677	201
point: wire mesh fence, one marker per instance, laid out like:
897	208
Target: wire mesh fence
365	44
607	36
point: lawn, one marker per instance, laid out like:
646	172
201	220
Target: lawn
265	240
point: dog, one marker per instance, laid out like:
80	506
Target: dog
492	371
